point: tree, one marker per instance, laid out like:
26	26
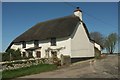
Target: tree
98	38
110	42
12	54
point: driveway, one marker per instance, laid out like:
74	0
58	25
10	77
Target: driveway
104	68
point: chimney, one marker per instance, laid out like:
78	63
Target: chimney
78	13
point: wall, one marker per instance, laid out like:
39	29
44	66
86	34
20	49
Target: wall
19	45
61	42
64	42
29	44
97	46
81	46
91	49
44	45
16	46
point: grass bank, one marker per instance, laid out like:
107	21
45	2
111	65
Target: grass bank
28	70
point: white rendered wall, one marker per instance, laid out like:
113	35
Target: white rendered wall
80	45
98	46
16	46
34	53
61	42
66	43
91	49
19	45
29	44
44	45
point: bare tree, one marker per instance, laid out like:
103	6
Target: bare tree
98	38
110	42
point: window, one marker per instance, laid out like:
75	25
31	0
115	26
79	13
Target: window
24	44
36	43
24	54
53	41
30	54
38	54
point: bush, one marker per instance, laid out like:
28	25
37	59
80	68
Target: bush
11	54
5	56
17	55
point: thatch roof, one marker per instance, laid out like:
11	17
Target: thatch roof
58	28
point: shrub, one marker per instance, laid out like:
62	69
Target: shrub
5	56
11	54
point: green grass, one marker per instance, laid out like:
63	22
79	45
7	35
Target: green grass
28	70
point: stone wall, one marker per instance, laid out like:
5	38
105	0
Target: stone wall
65	60
23	63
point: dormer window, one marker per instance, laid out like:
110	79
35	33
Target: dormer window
23	44
36	43
53	41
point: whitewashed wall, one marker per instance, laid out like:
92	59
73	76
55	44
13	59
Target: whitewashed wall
91	49
29	44
97	46
80	44
19	45
61	42
64	42
16	46
44	45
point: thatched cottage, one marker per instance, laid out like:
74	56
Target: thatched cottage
66	35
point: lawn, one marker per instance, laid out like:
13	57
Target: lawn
28	70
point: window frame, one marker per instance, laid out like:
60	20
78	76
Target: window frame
53	41
23	44
36	43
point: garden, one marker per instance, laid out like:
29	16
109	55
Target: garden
13	65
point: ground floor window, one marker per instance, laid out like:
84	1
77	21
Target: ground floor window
24	54
30	54
38	54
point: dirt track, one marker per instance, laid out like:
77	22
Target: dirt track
104	68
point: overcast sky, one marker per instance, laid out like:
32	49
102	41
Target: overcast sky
19	17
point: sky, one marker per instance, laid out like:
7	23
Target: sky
17	17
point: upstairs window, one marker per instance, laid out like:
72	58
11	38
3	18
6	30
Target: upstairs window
23	44
36	43
53	41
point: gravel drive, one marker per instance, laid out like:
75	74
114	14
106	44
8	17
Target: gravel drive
103	68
